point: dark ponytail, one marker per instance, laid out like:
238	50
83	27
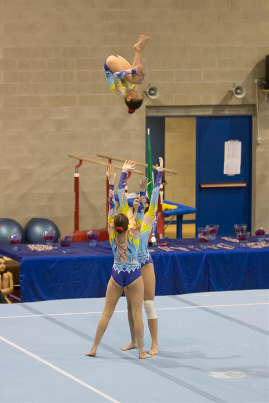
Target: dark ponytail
121	222
133	104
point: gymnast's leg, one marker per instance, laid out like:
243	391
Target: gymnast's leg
138	47
113	293
149	293
135	292
149	280
133	343
117	63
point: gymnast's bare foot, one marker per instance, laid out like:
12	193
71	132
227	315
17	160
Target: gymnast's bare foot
92	352
142	41
154	350
130	346
143	355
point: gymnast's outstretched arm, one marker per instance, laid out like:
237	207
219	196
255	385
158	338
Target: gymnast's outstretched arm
140	210
134	75
150	216
155	194
128	166
110	174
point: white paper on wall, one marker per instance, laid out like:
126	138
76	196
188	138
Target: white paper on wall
232	157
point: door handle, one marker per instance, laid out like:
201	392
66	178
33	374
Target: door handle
223	185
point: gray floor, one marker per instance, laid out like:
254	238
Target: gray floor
213	348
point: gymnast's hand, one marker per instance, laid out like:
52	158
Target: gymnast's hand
143	183
128	166
160	167
111	175
140	71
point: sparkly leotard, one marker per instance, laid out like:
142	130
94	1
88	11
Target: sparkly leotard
144	257
115	82
126	267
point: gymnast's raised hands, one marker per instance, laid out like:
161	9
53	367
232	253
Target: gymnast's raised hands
128	166
111	174
143	183
160	167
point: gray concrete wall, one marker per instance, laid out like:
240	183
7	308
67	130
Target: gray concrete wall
54	99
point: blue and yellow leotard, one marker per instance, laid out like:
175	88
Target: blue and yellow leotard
148	222
115	82
144	257
126	267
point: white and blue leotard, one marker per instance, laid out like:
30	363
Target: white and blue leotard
126	267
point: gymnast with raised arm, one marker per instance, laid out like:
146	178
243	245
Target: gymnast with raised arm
145	260
122	77
126	273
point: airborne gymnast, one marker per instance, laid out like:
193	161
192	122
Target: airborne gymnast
123	78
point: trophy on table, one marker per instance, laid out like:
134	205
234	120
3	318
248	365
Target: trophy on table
153	241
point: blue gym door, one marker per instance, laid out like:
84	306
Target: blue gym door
222	198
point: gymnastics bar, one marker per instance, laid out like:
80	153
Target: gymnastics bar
141	164
103	163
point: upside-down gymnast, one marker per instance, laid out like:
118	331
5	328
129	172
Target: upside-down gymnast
122	77
126	273
145	260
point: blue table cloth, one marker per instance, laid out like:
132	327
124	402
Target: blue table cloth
85	271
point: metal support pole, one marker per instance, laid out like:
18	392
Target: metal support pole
76	190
